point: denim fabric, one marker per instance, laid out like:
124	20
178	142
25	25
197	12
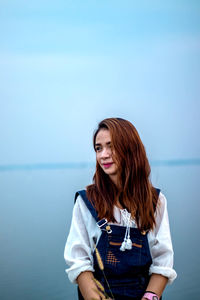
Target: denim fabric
127	272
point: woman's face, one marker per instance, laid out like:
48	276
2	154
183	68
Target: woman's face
105	154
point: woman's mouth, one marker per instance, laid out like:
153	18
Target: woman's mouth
107	165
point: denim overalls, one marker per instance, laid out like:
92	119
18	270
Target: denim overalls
126	271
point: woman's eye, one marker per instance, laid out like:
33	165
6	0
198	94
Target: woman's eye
98	148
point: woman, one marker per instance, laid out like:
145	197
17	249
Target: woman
122	217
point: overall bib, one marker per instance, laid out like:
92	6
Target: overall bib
127	272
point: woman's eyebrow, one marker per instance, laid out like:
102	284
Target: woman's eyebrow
99	144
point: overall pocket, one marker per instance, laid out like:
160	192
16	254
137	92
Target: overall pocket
122	262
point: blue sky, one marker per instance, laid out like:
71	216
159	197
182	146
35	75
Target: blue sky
65	65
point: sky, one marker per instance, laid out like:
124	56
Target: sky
66	65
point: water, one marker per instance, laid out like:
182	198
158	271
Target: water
35	216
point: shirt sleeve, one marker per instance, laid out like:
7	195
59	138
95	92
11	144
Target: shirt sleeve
160	243
79	245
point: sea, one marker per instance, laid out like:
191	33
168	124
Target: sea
35	215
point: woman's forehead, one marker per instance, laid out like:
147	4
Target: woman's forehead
103	136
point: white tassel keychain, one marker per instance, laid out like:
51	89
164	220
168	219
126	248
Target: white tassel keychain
123	245
127	243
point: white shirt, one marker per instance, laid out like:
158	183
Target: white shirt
79	247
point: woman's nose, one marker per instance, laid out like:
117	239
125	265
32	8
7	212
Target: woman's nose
105	153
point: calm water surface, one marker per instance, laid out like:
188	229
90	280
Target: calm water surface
35	215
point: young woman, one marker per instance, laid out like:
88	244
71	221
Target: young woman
123	216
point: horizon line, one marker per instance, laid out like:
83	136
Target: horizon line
84	165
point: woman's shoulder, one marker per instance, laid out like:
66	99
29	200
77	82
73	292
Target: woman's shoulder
82	202
79	198
161	214
81	212
162	201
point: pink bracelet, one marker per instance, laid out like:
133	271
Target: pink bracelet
151	296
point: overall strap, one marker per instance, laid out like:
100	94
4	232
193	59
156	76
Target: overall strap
89	205
158	191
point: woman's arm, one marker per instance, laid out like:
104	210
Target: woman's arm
157	284
87	286
161	249
78	252
161	245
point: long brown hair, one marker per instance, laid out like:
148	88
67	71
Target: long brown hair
134	190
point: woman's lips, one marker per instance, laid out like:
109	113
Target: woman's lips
107	165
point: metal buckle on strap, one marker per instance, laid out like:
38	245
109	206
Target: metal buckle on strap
102	222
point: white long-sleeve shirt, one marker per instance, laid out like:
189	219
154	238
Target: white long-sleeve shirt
79	247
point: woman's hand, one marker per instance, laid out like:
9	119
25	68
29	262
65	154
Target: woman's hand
89	287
